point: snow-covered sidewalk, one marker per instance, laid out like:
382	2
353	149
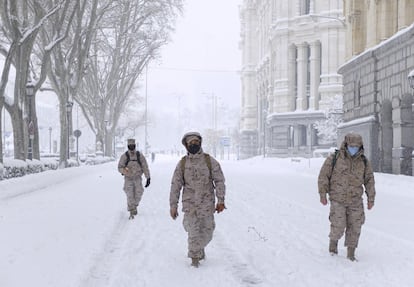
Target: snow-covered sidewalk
70	228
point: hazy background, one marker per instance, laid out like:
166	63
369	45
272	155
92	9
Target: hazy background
202	62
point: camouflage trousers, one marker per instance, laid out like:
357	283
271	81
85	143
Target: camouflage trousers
200	232
133	190
348	219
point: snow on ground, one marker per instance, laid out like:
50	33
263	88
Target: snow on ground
70	228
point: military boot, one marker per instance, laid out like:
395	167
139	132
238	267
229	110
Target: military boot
351	253
333	246
195	262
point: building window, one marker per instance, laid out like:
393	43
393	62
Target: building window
291	137
304	7
302	135
357	94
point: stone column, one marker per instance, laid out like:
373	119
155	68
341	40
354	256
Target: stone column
315	70
292	85
302	62
402	135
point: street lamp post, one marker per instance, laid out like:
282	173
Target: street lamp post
29	94
264	131
146	111
69	106
213	119
4	131
104	138
50	140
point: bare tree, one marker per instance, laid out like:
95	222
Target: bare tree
21	21
129	36
68	64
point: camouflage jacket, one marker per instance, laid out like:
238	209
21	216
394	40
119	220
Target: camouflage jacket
199	190
348	180
135	170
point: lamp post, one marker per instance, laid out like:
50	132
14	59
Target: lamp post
50	140
30	129
4	131
146	110
104	138
264	131
69	106
213	119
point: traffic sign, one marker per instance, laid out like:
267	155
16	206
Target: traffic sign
77	133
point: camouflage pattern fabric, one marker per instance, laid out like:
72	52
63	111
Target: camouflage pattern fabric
198	198
198	190
349	178
133	179
200	232
349	218
345	185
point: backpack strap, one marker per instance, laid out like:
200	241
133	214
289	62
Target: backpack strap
364	158
129	159
139	159
182	164
208	162
335	157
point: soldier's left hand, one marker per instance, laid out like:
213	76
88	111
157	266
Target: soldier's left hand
148	182
173	213
220	207
370	205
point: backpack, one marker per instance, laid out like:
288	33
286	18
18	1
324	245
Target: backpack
364	158
208	162
129	159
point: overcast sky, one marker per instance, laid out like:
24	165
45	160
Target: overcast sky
203	59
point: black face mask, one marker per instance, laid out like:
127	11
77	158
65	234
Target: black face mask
194	148
131	147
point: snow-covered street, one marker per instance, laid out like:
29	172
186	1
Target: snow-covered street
70	228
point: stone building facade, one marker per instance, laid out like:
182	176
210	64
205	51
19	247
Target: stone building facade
377	97
291	51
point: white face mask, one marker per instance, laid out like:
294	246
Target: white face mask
353	150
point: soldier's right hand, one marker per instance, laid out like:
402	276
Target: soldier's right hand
173	213
324	201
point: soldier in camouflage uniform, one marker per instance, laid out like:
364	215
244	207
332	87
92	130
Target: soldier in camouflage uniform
201	178
344	176
132	169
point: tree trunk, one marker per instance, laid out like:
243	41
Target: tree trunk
20	144
63	154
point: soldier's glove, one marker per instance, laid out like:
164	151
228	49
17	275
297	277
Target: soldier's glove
148	182
173	213
220	207
323	200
